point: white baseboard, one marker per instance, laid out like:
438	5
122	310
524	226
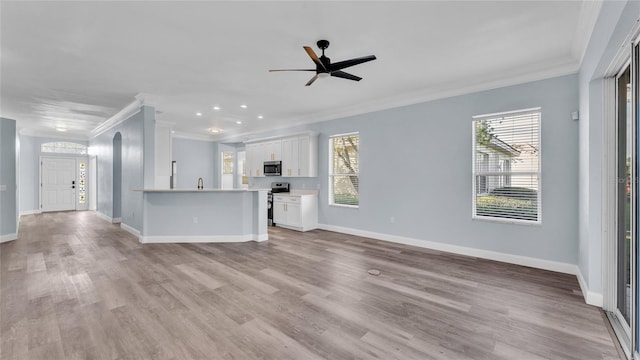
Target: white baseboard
297	228
131	230
104	217
30	212
590	297
261	237
176	239
116	220
461	250
8	237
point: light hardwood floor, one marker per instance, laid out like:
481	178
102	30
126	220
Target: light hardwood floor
76	287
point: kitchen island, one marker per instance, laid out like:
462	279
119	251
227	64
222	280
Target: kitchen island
204	216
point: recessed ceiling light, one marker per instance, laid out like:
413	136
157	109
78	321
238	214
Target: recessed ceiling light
260	117
238	122
216	108
60	128
215	130
198	114
244	106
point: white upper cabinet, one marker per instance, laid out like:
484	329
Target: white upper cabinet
308	156
299	155
254	161
273	150
290	157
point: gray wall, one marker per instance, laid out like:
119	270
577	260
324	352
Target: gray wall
416	166
30	168
194	159
132	131
615	22
8	173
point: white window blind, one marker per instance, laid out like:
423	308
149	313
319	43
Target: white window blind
344	170
506	166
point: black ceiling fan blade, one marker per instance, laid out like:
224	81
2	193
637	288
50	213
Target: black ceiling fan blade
344	75
312	80
351	62
314	57
292	70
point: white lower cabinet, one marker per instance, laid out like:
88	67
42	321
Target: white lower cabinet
297	212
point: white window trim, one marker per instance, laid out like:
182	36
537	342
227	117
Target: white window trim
473	170
331	174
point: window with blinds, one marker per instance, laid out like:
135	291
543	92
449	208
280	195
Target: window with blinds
506	166
344	168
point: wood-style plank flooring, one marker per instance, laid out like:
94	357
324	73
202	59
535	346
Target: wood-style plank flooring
76	287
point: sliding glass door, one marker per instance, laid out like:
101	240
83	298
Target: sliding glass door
625	194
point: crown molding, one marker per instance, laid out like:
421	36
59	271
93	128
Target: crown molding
52	134
122	115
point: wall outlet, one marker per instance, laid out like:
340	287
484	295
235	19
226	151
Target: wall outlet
3	187
195	220
392	219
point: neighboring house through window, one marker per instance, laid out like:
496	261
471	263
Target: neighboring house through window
506	167
344	168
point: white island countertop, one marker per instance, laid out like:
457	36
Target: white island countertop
200	190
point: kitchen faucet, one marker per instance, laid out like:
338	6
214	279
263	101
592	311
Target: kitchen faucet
200	184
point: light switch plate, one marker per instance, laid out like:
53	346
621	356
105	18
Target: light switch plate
3	187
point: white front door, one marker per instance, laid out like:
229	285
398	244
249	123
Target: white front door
58	176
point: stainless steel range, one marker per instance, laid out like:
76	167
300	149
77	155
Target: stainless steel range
276	187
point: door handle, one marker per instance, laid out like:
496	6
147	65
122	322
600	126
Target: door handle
73	182
73	186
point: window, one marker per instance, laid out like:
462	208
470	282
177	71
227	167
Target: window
82	180
506	166
344	165
227	162
62	147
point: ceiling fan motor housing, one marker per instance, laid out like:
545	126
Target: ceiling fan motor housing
327	63
323	44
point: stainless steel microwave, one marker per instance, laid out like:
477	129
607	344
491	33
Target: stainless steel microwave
272	168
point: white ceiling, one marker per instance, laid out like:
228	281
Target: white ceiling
76	64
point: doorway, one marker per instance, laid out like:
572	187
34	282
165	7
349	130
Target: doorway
621	197
117	178
626	192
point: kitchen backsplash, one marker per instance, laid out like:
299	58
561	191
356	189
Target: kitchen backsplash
295	183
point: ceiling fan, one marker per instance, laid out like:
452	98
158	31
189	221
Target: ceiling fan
325	68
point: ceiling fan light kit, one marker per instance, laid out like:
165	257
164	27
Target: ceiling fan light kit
324	67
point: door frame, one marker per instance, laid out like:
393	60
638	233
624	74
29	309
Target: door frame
93	182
